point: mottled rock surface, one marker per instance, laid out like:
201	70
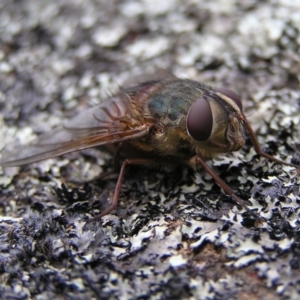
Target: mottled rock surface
175	235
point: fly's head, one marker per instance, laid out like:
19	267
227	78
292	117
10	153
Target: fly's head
215	122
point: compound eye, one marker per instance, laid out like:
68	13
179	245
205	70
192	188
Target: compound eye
232	95
199	120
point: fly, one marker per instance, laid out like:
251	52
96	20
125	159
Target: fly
167	120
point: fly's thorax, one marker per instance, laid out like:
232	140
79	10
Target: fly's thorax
171	102
165	141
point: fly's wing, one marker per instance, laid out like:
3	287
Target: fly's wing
158	75
113	121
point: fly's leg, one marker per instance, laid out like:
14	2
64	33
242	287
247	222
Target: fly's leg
116	195
258	149
226	188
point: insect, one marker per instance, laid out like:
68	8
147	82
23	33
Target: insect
166	120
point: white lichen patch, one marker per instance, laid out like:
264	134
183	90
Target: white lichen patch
109	37
146	49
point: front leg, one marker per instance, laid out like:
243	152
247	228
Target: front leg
258	148
198	161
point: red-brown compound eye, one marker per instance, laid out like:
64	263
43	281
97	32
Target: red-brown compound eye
199	120
232	95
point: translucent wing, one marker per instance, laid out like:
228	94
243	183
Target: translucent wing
113	121
158	75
